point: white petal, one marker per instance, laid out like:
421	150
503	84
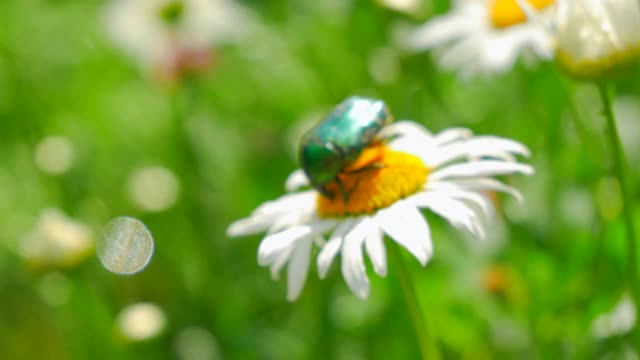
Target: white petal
330	250
463	54
280	262
249	226
456	212
452	134
286	220
459	192
488	184
287	203
343	227
406	226
374	245
409	137
327	254
488	144
415	145
353	268
481	168
441	30
481	146
296	180
277	214
403	128
298	268
273	245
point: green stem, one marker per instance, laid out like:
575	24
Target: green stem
190	172
426	343
619	168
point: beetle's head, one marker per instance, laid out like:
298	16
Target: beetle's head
321	163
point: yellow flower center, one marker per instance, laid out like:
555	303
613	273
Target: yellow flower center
377	179
505	13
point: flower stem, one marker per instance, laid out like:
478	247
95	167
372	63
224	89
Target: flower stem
426	343
619	168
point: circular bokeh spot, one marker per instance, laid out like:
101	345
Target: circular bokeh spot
54	155
141	321
154	188
126	246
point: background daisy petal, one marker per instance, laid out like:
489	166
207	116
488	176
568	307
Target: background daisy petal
273	245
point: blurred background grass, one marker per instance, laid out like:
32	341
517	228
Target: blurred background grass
532	289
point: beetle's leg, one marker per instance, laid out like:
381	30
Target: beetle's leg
325	192
355	186
343	191
374	166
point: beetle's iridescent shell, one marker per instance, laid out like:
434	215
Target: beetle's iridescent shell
339	139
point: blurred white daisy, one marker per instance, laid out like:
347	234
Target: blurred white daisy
446	173
618	321
171	37
597	37
485	36
408	6
141	321
57	241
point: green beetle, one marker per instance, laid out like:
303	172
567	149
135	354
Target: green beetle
339	139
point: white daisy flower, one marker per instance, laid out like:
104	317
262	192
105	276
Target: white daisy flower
172	36
486	36
446	173
618	321
57	241
596	37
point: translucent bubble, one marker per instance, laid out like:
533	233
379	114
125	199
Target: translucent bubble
54	155
126	246
141	321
